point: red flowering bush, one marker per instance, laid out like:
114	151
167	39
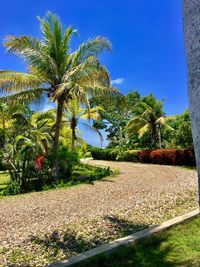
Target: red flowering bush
39	163
170	156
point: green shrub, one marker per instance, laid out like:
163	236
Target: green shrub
103	154
115	154
67	159
171	156
129	155
96	174
2	166
88	154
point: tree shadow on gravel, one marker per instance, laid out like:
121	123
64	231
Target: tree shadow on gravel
124	227
147	253
70	243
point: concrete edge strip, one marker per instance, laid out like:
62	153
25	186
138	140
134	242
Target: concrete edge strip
106	248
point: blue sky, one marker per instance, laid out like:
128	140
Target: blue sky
147	38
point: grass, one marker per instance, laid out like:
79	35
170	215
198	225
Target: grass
178	246
4	179
82	173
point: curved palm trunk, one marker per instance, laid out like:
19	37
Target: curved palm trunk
159	137
73	139
56	138
153	137
73	128
191	18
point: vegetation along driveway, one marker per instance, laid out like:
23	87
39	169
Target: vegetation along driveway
85	216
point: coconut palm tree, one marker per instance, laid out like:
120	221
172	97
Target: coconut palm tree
149	117
55	71
191	18
75	114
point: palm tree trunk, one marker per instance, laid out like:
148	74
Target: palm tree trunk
153	137
191	21
73	138
56	138
159	138
120	136
3	123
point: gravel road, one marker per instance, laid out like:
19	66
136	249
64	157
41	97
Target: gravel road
42	212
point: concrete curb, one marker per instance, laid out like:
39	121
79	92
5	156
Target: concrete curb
125	240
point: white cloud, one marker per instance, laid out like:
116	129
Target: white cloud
117	81
47	106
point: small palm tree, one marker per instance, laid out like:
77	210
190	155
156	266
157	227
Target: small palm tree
75	114
23	150
149	118
55	71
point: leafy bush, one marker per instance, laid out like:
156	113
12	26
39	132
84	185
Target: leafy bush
168	156
67	159
115	154
96	173
129	155
87	154
104	154
2	166
159	156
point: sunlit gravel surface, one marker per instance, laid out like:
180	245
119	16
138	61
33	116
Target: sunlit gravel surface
139	196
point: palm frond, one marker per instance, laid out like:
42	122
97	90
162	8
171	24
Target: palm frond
21	45
25	97
161	121
90	48
146	128
17	81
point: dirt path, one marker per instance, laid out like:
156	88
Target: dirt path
21	217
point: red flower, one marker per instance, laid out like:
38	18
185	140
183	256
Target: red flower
39	162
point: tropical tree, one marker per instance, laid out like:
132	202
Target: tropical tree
115	115
149	117
75	114
24	155
191	20
55	71
182	134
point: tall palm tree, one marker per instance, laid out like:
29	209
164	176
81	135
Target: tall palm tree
191	18
149	117
75	114
55	71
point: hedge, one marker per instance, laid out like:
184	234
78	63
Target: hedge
170	156
103	154
114	154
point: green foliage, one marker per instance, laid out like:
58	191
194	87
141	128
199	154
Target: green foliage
150	118
129	155
2	167
184	157
75	115
22	151
115	154
182	134
90	174
115	115
55	71
67	159
104	154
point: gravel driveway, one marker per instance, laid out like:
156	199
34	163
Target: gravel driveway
138	189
